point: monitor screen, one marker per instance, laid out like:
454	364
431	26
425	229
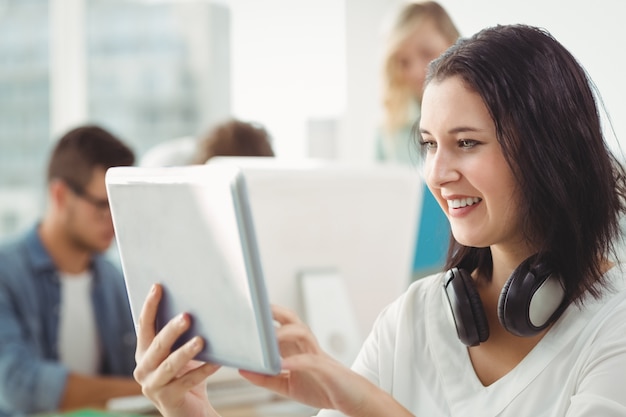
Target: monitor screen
336	240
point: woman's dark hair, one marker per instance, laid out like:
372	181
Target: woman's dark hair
573	190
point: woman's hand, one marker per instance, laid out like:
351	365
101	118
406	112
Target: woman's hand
311	376
173	381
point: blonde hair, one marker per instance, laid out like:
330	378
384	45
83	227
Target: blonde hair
396	96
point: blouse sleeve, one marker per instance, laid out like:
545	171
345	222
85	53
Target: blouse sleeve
601	389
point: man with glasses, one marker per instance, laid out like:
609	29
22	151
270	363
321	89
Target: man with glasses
66	334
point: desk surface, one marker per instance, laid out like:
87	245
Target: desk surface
274	408
278	408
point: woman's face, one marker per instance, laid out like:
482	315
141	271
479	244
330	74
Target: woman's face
423	45
465	168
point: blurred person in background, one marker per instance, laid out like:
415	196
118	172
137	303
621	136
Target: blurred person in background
230	137
420	32
67	339
233	138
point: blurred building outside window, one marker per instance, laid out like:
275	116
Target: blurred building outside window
152	71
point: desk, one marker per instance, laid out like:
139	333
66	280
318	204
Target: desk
272	408
277	408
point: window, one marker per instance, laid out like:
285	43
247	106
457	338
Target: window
152	71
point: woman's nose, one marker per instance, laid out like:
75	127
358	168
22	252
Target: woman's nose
440	168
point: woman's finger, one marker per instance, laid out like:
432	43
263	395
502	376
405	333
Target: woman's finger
177	364
284	315
293	335
277	383
161	346
147	318
295	339
179	372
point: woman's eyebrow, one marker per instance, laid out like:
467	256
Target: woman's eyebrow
460	129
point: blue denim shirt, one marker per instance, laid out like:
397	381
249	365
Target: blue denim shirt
31	377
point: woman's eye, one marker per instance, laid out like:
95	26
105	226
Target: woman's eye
467	143
428	144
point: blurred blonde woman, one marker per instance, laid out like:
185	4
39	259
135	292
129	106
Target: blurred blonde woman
420	33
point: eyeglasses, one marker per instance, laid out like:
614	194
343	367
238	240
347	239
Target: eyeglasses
99	203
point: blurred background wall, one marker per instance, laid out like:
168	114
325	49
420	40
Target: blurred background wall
309	70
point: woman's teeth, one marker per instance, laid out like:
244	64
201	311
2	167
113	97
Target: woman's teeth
463	202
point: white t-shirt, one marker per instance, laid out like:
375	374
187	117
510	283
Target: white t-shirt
79	348
577	369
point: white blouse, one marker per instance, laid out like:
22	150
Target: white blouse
577	369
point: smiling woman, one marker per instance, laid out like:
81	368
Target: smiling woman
534	289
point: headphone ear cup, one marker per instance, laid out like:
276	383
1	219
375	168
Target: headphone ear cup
531	299
466	307
504	304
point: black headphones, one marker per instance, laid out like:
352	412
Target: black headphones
531	299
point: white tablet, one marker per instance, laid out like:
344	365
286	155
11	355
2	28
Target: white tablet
190	229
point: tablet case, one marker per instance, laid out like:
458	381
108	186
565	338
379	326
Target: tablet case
190	228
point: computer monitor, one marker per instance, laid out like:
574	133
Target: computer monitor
336	242
341	230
